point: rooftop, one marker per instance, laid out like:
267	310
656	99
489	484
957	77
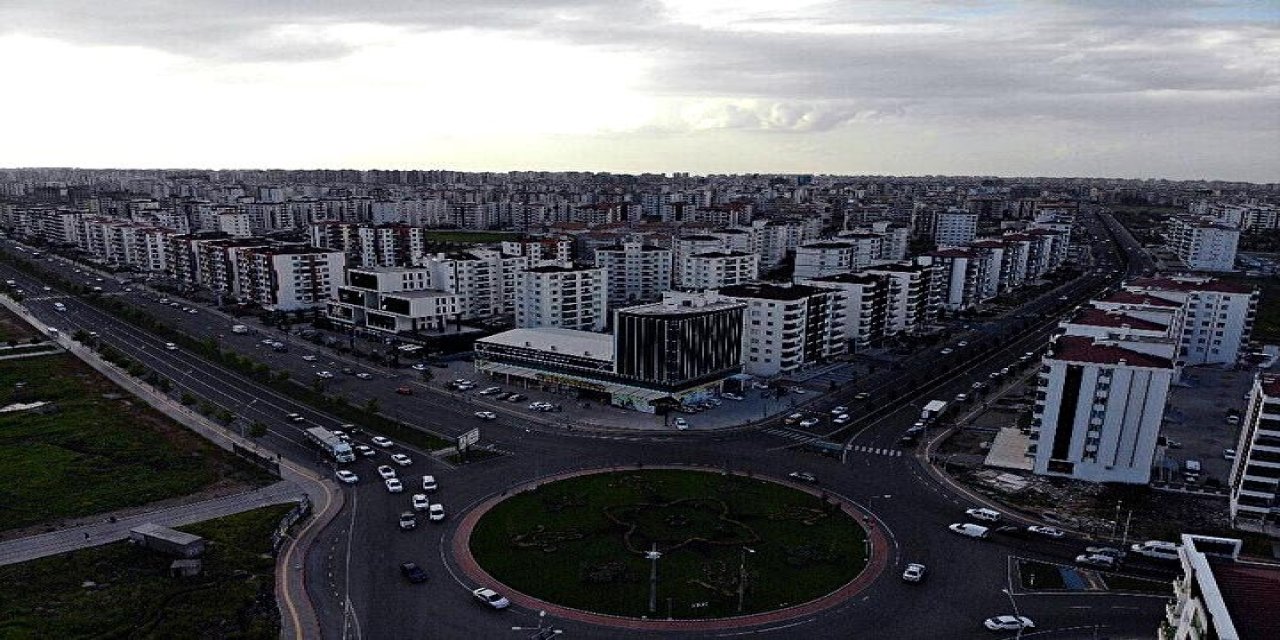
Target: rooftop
1165	283
683	304
849	278
586	344
1084	349
766	291
1270	384
720	254
1250	593
1128	297
556	268
827	244
1096	317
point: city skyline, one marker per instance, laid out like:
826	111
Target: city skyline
1183	90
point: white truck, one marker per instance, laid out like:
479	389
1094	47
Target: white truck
332	445
932	410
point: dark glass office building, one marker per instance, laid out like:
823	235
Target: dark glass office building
682	342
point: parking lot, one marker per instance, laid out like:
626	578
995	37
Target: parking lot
1196	421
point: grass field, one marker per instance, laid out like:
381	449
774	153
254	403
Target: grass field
469	237
135	598
568	543
85	453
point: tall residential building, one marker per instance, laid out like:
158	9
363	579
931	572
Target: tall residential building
485	280
1098	408
911	302
1220	596
788	328
961	277
829	257
567	297
636	272
289	278
718	269
954	228
866	299
1255	476
1203	245
1218	316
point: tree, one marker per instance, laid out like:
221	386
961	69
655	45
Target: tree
257	429
372	405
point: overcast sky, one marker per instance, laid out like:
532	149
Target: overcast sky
1124	88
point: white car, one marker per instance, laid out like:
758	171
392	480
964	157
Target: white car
381	441
347	477
1008	623
294	417
731	396
839	410
984	514
386	472
809	422
419	367
429	483
913	573
169	346
841	419
401	459
309	358
486	415
491	598
970	530
681	424
393	485
364	375
1048	532
324	374
1096	560
436	512
365	450
420	502
488	391
947	352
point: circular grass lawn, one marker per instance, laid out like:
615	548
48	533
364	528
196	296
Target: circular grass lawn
581	542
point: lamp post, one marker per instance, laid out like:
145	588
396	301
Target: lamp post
653	556
742	577
1013	602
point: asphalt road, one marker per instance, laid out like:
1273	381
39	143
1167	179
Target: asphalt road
353	571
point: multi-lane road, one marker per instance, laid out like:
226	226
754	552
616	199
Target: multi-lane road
353	571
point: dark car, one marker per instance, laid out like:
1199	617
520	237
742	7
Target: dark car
413	573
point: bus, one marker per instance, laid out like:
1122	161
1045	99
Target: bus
332	445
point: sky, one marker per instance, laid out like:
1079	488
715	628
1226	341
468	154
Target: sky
1182	89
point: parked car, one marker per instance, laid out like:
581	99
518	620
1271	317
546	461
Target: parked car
491	598
1048	532
420	502
835	411
490	391
913	573
681	424
413	573
984	514
1008	623
809	422
841	419
793	418
429	483
731	396
393	485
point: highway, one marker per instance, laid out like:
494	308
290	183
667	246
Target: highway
353	572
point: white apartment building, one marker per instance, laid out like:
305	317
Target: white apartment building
289	278
562	296
485	280
1202	244
688	245
910	301
954	228
1255	476
866	299
851	252
788	328
393	300
718	269
1220	596
636	272
540	249
1099	407
961	278
1218	316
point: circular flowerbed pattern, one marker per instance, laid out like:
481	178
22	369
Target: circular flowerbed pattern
581	542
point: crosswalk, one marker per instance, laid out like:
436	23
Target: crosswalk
798	436
888	453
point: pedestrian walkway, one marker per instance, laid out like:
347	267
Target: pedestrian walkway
111	529
888	453
800	437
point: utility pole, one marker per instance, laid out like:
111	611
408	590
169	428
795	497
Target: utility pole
653	557
1125	541
742	577
1013	602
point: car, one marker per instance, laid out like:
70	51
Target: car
681	423
413	573
995	375
1096	560
486	415
804	476
913	573
1048	532
364	375
835	411
962	397
436	512
386	472
519	397
192	311
408	521
46	288
962	343
169	346
393	485
365	450
348	371
732	396
309	358
324	374
793	418
294	417
978	386
401	459
419	367
429	483
809	422
488	391
540	405
1005	371
1008	623
984	514
1118	554
347	477
404	391
266	341
420	502
798	391
948	351
490	597
381	441
970	530
862	396
841	419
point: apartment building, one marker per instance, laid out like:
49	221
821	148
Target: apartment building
954	228
1255	476
540	249
636	272
911	302
718	269
830	257
392	300
960	278
1218	316
789	327
563	296
485	280
288	278
1099	405
1219	595
1203	244
866	300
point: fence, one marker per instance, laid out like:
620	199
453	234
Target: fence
297	513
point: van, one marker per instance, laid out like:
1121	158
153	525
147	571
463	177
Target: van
1156	549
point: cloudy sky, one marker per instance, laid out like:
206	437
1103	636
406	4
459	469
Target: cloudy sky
1127	88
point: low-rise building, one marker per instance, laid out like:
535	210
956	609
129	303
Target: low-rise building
393	300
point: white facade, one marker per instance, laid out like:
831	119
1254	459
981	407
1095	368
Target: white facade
718	269
954	228
1255	476
847	254
289	279
1203	245
1214	599
563	297
788	328
636	272
1217	316
392	300
1098	409
485	280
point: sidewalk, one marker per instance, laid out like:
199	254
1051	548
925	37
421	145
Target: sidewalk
107	531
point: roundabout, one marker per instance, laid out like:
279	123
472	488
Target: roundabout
732	550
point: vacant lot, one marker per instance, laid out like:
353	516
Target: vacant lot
14	329
93	448
580	542
122	591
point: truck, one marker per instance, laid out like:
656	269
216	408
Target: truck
932	410
331	444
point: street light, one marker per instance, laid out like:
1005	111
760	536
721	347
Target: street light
653	557
742	576
541	632
1017	615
